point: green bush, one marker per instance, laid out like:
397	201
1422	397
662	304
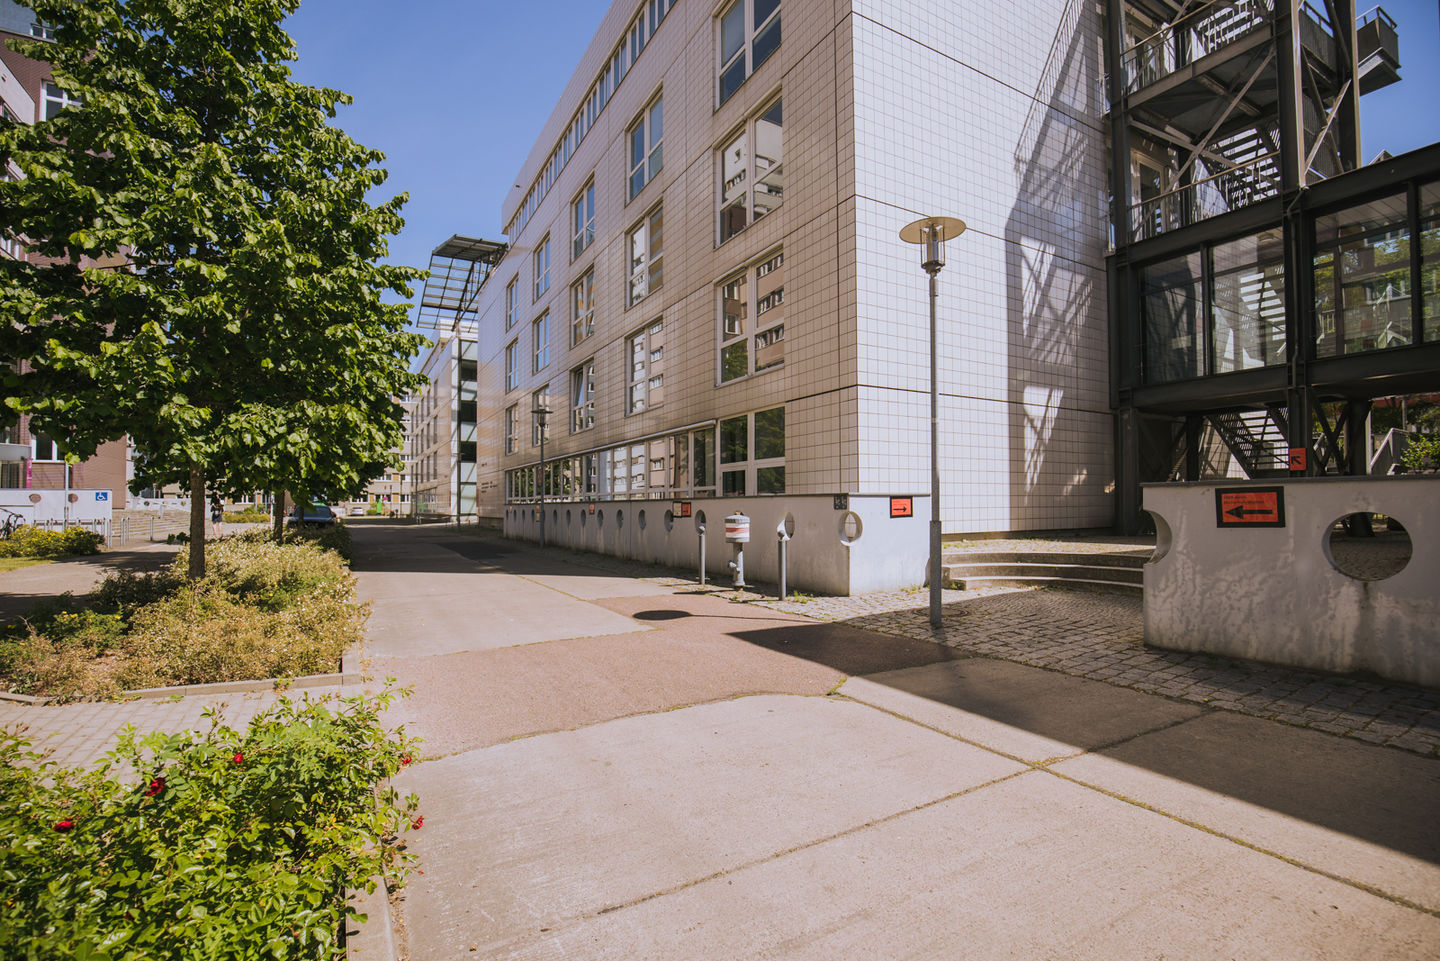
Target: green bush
27	541
223	845
1422	453
249	515
254	567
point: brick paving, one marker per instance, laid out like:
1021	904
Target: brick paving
1099	635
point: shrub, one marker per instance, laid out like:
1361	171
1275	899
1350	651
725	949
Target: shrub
125	591
1422	453
222	845
270	575
27	541
249	515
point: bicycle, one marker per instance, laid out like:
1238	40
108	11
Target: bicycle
11	522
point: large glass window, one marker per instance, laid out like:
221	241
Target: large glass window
540	400
512	428
646	154
540	337
44	447
1172	316
582	308
646	378
752	319
582	218
752	181
57	98
512	367
582	396
747	32
1248	302
542	267
512	303
646	244
1362	278
1430	262
752	453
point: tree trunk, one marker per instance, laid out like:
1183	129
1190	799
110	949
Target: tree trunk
197	523
279	519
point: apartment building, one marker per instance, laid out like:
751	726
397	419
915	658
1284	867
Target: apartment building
705	287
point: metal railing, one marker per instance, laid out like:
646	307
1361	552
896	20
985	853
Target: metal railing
1219	193
1196	35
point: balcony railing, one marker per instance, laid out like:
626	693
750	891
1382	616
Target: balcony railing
1196	35
1209	197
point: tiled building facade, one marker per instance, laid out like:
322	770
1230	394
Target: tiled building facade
706	279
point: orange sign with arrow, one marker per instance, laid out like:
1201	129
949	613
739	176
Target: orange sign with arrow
1250	507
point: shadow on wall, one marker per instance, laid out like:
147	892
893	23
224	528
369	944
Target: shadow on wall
1060	445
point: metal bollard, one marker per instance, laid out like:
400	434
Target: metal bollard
783	532
737	532
700	531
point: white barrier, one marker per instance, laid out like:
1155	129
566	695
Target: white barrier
1226	580
839	546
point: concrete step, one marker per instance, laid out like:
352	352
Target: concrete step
1130	561
1044	568
975	583
1121	575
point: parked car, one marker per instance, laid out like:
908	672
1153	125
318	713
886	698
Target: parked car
312	515
356	511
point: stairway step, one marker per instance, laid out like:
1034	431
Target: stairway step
1121	560
972	583
1124	575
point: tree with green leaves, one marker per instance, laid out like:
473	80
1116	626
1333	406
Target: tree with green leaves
209	278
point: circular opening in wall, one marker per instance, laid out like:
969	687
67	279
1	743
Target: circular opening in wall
669	521
568	517
699	522
619	517
640	519
599	518
850	528
1368	547
582	518
554	517
786	528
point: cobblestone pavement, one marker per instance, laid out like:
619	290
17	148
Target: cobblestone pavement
78	735
1099	635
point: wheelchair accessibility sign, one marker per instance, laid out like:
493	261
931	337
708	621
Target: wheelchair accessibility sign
101	496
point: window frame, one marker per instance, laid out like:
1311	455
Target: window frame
645	382
36	438
512	302
62	98
755	330
750	176
651	146
582	313
512	428
512	366
744	55
645	268
582	230
540	342
541	263
748	468
538	396
582	397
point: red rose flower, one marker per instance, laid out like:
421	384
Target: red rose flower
156	788
65	825
418	823
405	759
239	757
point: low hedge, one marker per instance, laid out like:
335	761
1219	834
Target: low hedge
223	845
27	541
249	515
263	610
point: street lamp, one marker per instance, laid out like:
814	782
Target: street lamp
542	419
931	233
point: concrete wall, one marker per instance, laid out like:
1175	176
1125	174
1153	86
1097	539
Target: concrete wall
48	506
1274	594
832	551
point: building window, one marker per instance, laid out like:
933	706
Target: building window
57	98
752	453
582	308
538	400
1362	280
512	428
512	367
751	180
647	252
540	336
512	302
44	447
752	319
646	155
748	33
582	397
542	267
646	377
582	217
42	31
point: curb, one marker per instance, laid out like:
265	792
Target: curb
374	939
349	675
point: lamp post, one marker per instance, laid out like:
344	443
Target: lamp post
931	233
542	419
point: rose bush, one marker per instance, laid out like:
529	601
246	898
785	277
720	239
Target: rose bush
223	845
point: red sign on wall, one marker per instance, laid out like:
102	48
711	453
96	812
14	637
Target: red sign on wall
1297	458
902	507
1250	507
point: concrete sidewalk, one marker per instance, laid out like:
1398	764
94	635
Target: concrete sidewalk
694	778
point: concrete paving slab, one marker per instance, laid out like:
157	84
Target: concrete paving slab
471	700
1029	868
428	613
1367	813
1025	712
530	835
591	587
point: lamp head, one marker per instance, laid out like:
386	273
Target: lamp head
930	234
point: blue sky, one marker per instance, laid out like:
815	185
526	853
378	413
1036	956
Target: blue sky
456	91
